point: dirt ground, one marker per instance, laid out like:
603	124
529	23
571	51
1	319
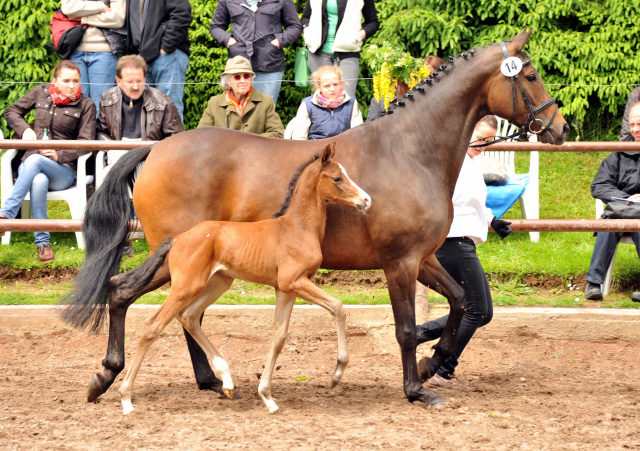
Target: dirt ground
542	379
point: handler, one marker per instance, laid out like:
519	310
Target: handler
457	255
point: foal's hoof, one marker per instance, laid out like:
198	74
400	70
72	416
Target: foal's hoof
228	392
424	371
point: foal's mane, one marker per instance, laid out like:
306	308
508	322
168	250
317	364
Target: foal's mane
293	182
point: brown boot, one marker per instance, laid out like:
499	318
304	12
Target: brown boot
45	253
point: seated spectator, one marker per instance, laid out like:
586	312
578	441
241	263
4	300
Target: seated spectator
65	113
242	107
132	110
618	176
625	132
329	111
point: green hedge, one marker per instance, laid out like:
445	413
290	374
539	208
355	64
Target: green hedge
574	42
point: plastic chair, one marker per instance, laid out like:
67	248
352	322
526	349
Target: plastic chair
606	286
530	200
75	196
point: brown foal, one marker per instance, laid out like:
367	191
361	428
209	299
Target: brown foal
284	252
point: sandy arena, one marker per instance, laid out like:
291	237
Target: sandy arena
542	379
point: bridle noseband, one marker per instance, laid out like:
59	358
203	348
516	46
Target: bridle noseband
531	119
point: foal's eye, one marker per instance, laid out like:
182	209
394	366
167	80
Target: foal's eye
337	179
531	77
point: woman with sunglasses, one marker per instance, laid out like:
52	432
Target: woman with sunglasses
241	107
62	112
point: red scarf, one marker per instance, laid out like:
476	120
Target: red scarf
238	104
59	98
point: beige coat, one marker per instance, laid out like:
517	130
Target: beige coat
259	117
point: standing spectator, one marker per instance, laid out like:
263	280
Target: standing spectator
159	32
97	54
334	33
65	113
618	176
625	132
329	111
241	107
257	34
457	255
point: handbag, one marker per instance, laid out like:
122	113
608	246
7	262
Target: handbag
66	34
301	69
621	210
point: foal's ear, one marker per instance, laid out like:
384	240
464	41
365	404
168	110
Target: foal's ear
328	153
518	42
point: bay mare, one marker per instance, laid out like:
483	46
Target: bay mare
407	161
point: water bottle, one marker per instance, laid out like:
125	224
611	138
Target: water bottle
45	136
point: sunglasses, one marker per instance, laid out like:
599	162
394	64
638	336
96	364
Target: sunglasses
238	77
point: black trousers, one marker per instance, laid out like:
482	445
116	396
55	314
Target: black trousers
458	256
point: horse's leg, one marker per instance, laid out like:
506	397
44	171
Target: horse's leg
435	276
120	298
284	305
305	289
151	330
190	317
401	281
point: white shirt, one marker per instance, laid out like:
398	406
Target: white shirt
471	218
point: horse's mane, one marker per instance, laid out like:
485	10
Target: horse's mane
293	182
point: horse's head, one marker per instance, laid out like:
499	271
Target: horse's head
517	94
336	186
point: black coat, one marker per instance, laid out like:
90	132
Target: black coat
166	27
618	176
255	31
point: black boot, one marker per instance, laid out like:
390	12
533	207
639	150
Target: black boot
592	291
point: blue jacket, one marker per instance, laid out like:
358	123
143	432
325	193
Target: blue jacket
326	123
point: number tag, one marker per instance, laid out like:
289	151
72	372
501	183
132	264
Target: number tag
511	66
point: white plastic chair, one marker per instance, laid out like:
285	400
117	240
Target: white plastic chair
625	240
75	196
530	200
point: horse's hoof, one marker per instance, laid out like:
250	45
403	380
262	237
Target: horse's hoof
228	392
95	388
424	372
436	403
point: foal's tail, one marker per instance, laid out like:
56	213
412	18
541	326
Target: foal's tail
106	226
138	278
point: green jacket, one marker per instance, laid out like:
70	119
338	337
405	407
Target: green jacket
259	117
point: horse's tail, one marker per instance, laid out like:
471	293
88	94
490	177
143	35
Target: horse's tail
138	278
106	226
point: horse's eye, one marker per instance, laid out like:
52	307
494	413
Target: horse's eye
337	179
531	77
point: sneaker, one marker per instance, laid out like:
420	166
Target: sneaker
635	296
592	291
453	383
45	253
128	250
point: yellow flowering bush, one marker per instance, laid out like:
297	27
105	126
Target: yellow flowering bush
390	66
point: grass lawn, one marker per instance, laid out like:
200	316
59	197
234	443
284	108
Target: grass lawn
565	179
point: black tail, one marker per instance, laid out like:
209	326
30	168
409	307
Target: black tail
138	278
105	228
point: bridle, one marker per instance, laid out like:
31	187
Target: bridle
531	118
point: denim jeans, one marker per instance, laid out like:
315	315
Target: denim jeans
38	175
603	251
168	73
97	73
458	256
269	83
350	68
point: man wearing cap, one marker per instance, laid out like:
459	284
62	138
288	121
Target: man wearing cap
241	107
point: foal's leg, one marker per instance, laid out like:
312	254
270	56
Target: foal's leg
151	330
401	281
435	276
217	285
305	289
284	305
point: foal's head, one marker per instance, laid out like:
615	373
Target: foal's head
336	186
333	183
